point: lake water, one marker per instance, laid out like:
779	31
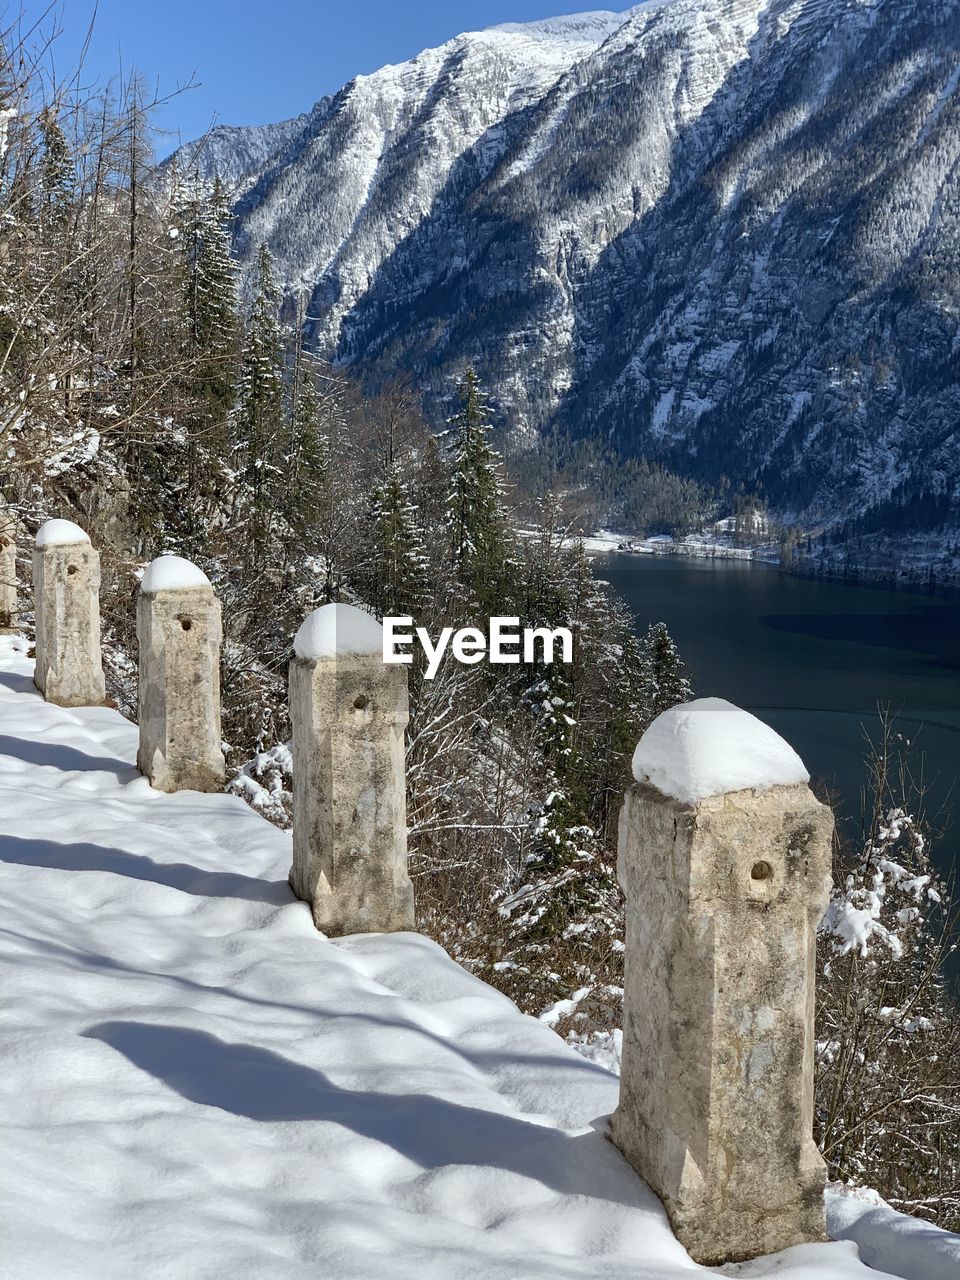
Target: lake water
814	659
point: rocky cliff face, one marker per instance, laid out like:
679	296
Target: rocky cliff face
721	233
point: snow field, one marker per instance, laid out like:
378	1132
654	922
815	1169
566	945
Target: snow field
194	1083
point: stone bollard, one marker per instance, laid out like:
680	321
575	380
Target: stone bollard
8	570
179	632
66	583
349	711
724	859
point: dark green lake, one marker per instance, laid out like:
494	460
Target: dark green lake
815	659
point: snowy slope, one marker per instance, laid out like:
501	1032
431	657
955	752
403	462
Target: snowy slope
367	166
195	1084
724	233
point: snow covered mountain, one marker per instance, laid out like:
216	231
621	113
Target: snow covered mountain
722	233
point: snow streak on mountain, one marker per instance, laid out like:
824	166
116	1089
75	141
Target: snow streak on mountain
722	233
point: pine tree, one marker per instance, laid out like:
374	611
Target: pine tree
305	498
210	337
398	568
259	421
664	678
13	221
202	219
56	176
562	912
57	279
475	512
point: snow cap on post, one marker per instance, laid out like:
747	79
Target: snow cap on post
61	533
172	573
708	747
335	630
349	711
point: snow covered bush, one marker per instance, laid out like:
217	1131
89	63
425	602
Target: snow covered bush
888	1024
266	783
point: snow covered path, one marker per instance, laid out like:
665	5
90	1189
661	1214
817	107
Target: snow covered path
194	1083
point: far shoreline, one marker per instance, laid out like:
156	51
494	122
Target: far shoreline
921	580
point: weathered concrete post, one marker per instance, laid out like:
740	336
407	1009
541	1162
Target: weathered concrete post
349	712
724	858
66	583
8	569
179	632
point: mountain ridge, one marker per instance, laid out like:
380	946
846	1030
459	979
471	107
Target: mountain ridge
723	235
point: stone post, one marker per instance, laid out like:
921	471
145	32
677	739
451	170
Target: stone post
8	570
349	712
724	858
66	583
179	633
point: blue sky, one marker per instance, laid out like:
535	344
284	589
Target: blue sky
258	61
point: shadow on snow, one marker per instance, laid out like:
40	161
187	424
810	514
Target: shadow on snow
172	875
259	1084
54	755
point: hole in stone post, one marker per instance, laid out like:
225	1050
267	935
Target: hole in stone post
361	702
761	871
71	569
186	624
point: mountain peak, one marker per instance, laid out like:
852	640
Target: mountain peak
593	26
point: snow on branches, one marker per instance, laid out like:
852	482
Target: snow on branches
888	1049
884	899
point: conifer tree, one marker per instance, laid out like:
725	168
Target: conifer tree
53	275
398	569
664	678
210	334
562	912
305	497
259	421
56	171
429	486
15	182
475	513
202	218
58	276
